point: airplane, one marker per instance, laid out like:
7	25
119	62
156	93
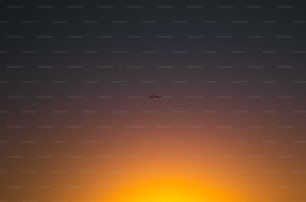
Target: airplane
155	97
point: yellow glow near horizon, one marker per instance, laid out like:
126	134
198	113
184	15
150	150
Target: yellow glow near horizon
170	190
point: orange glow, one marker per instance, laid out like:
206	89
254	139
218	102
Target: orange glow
192	171
169	188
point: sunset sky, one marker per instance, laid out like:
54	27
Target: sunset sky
77	123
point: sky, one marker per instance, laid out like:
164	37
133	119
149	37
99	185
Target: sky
76	119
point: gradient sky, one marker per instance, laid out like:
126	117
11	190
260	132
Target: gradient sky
76	122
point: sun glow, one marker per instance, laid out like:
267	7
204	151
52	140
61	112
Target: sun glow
168	190
170	174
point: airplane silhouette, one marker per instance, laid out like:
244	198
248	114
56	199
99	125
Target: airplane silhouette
155	97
